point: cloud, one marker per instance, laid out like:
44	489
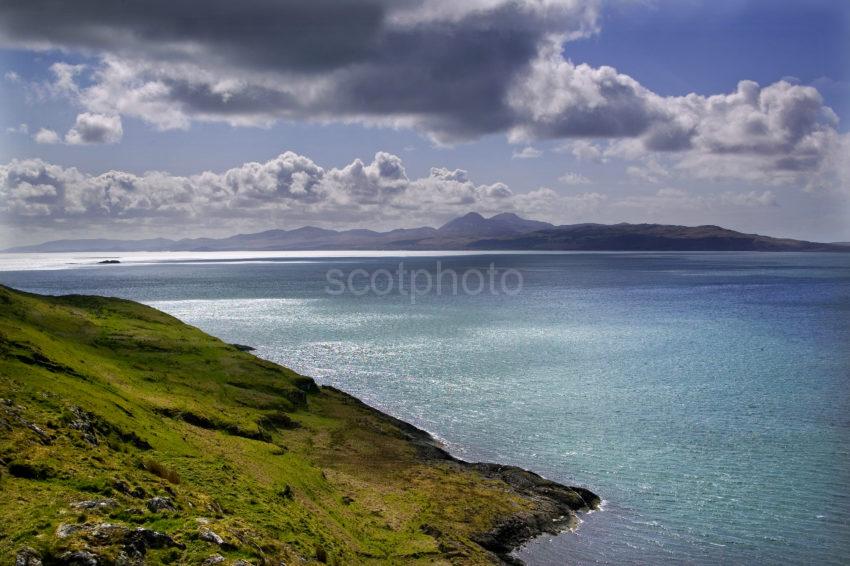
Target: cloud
570	178
288	188
583	150
94	129
751	198
45	136
554	98
88	129
293	190
12	77
19	129
677	203
780	133
437	66
64	78
777	134
547	204
528	152
650	172
451	70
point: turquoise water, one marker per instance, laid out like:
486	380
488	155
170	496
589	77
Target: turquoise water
705	397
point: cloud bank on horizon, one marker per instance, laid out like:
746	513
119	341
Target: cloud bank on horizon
36	195
453	71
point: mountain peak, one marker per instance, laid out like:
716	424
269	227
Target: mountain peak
469	217
504	224
467	224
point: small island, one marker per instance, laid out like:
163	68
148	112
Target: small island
108	262
130	437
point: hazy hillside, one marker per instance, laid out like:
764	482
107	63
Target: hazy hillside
469	232
647	237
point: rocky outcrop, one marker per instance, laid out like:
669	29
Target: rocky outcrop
555	505
133	542
555	509
139	540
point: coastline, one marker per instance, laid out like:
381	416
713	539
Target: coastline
129	434
557	505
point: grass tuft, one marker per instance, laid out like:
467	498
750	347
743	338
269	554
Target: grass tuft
168	474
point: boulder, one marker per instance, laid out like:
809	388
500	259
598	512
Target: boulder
27	557
157	504
138	541
211	536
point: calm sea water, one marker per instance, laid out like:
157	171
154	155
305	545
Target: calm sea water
705	397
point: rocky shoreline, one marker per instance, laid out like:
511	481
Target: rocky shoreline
556	505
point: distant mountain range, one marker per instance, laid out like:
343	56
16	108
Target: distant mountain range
469	232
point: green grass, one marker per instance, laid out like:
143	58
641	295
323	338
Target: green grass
106	398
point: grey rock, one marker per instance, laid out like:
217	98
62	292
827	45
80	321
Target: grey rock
78	558
161	504
86	423
42	435
106	533
138	541
65	530
28	557
211	536
212	560
96	504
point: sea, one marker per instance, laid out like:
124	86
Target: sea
704	396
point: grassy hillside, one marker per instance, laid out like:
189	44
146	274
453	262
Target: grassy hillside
127	436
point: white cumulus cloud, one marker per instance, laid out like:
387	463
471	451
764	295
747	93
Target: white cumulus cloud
46	136
95	129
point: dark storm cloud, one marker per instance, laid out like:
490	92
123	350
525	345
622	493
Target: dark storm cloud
452	76
247	99
444	68
312	35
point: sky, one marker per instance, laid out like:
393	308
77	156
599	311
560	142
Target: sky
173	118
